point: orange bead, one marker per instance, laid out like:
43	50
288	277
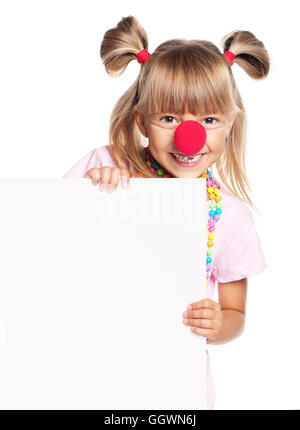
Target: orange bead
149	163
212	196
218	199
204	175
210	243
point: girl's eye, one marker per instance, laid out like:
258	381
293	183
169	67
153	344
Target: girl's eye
168	117
211	120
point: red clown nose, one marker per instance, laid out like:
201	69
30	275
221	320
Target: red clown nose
189	137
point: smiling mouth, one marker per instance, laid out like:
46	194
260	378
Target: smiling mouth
187	158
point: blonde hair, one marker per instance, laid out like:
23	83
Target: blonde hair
182	75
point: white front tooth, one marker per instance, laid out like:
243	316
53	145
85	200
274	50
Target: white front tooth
186	159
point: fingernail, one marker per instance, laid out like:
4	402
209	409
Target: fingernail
110	188
124	181
103	187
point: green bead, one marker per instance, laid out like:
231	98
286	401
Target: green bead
209	252
212	204
160	171
219	205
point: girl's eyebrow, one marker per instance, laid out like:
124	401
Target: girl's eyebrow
200	115
166	113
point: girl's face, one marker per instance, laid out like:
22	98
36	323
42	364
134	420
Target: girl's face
160	130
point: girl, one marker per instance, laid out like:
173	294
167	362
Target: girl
189	80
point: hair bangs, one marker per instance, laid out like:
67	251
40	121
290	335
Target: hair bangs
181	86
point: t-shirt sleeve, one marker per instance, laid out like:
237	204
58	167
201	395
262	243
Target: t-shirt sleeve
243	254
98	157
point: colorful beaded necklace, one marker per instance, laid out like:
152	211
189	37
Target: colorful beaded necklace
213	190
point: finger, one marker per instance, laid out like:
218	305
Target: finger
125	178
94	175
202	323
200	313
114	179
204	303
209	334
105	174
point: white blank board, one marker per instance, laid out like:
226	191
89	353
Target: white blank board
92	291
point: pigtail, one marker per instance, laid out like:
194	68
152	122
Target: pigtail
250	53
120	46
253	57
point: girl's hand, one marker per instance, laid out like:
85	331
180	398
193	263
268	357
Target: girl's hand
109	177
205	318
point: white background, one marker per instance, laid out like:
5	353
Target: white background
55	103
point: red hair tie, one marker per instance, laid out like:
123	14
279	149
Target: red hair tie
143	56
229	57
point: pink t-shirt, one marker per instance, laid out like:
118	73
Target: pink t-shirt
237	251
